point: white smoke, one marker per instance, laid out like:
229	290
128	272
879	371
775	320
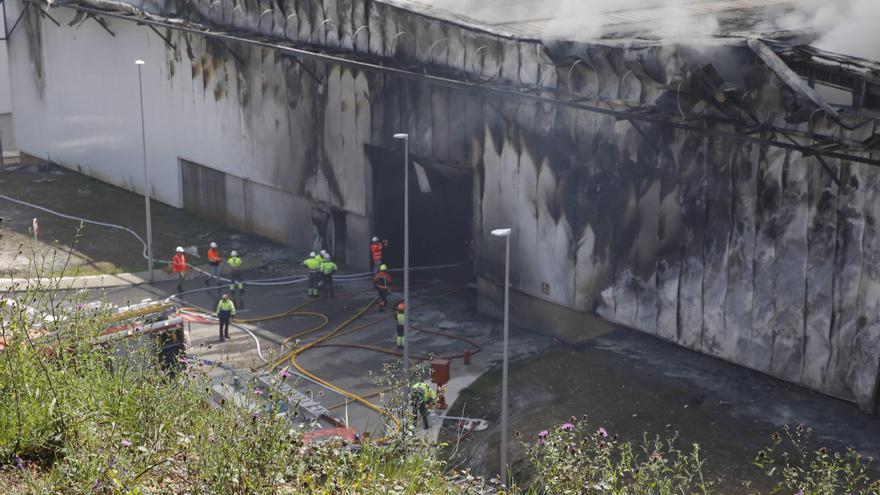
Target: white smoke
847	26
844	26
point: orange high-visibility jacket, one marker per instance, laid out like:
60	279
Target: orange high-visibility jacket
213	256
382	280
376	251
178	263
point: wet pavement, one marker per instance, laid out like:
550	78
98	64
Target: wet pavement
630	384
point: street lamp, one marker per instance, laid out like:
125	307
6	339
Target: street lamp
405	138
506	234
140	64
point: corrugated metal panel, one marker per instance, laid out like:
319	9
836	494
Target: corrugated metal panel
204	191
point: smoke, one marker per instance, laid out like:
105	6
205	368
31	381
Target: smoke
844	26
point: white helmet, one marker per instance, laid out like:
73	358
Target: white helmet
234	253
375	239
326	256
179	249
312	254
214	245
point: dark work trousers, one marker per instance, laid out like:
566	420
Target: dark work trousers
313	283
181	276
225	317
382	292
419	407
400	336
327	279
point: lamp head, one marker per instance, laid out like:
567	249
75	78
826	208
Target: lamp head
501	232
139	62
401	135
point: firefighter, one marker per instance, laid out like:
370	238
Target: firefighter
422	396
328	268
225	312
214	260
178	266
314	266
234	262
382	283
376	247
401	321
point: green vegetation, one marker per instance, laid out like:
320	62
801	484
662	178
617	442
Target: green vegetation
75	417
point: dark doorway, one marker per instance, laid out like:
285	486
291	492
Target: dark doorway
440	220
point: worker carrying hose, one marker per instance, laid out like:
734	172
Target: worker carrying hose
401	321
214	261
421	396
225	312
178	267
376	247
314	265
234	263
382	283
328	268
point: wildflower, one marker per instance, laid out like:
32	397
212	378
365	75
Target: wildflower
284	374
255	415
543	434
602	443
19	463
800	492
258	391
602	432
126	442
567	427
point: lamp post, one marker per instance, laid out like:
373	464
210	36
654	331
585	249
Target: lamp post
506	234
405	138
140	64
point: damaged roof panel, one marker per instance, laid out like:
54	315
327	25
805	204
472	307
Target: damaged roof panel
580	21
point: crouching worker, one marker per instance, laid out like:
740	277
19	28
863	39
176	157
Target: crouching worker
225	312
422	396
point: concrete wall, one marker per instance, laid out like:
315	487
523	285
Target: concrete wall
234	111
745	252
6	132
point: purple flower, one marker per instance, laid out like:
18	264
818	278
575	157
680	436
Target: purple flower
126	442
799	492
542	435
540	441
602	432
284	374
258	391
567	427
255	415
19	463
602	443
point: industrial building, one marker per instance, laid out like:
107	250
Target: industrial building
717	190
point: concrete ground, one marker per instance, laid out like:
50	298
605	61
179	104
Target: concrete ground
97	249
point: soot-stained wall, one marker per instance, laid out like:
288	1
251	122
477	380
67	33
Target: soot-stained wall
742	251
